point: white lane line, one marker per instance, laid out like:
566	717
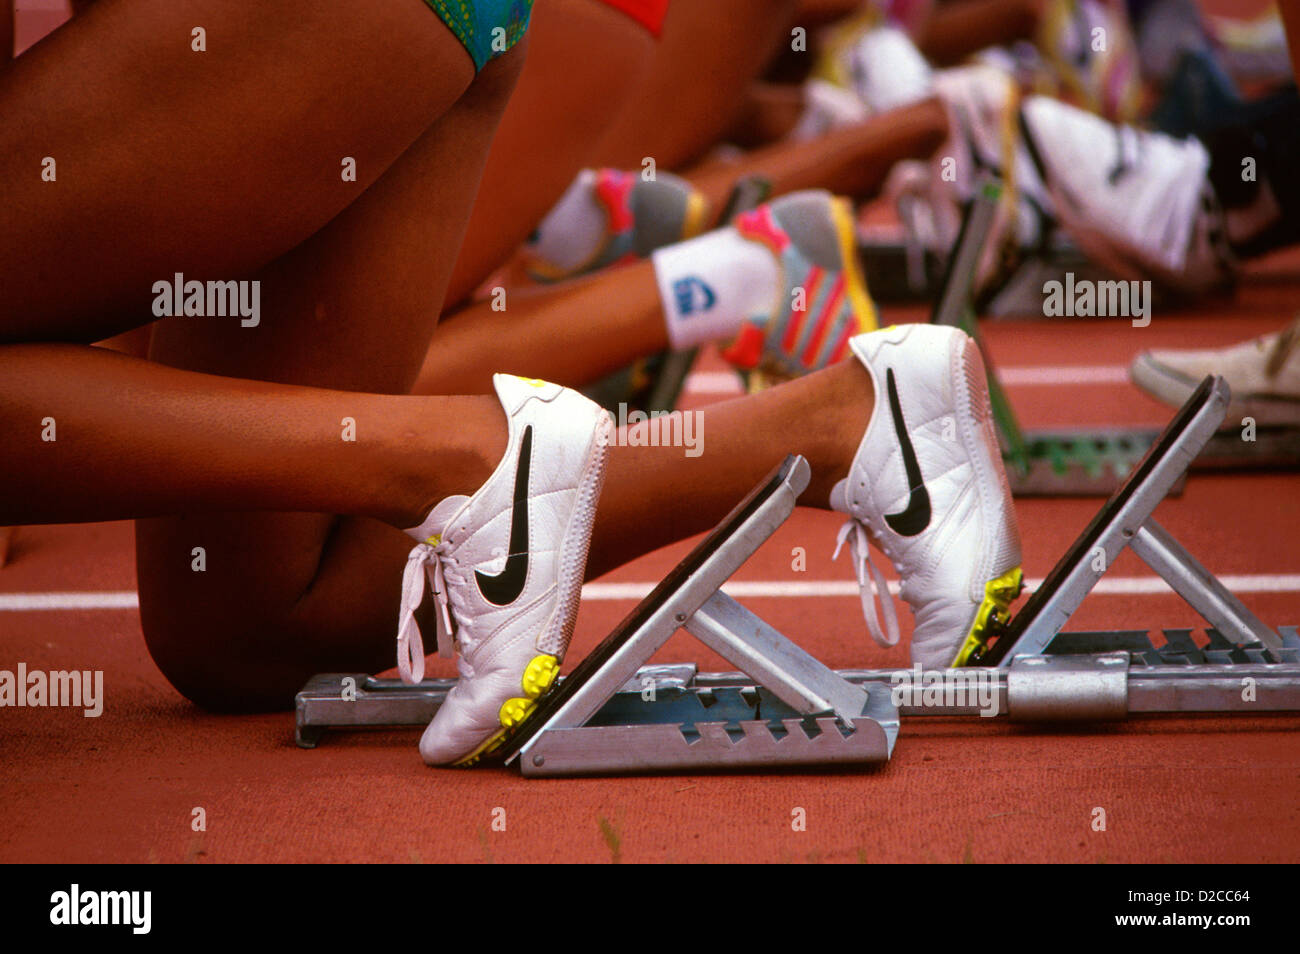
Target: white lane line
713	382
1053	375
753	589
1120	586
726	382
22	602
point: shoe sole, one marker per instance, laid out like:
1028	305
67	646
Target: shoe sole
541	672
975	416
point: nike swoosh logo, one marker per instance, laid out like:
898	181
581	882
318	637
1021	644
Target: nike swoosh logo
504	588
916	516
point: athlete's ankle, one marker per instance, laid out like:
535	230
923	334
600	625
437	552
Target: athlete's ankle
451	445
854	400
839	399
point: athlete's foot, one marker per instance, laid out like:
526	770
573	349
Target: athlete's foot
822	300
928	487
1137	201
506	567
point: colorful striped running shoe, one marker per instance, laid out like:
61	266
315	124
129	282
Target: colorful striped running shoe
824	301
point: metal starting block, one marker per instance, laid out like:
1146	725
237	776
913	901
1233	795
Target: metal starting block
616	713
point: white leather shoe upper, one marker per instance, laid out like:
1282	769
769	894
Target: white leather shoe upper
506	565
928	485
1129	197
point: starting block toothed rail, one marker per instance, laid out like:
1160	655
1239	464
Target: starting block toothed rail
617	713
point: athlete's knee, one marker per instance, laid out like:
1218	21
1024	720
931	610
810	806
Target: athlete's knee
221	662
216	647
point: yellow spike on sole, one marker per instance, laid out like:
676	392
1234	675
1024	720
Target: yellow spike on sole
999	593
539	675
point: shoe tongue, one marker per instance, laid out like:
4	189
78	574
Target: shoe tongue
439	517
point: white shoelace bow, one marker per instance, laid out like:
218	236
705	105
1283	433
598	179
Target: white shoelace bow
424	562
871	583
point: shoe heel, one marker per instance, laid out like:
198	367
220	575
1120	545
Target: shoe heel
999	593
576	543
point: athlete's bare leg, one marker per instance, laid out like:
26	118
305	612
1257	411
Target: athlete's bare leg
852	161
584	59
570	334
708	56
259	172
821	416
187	161
953	31
353	309
6	31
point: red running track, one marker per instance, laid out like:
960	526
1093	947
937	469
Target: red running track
123	787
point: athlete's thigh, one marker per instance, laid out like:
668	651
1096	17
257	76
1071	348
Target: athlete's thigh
708	56
584	59
353	309
149	137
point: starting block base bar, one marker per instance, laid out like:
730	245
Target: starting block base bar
1082	677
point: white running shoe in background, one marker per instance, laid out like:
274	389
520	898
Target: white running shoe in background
887	71
1135	200
1263	375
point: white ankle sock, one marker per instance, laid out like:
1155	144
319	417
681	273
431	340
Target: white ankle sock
572	232
709	286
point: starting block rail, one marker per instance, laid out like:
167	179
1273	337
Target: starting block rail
1167	679
617	713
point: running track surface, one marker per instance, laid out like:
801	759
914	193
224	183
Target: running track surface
123	787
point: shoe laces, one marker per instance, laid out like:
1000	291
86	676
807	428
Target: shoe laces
872	585
431	563
1282	347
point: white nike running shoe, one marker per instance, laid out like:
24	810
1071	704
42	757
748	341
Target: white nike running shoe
927	484
506	568
1137	201
1263	375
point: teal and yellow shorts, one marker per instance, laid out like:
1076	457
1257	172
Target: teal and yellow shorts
486	28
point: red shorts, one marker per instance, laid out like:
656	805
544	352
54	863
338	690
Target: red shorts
649	13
